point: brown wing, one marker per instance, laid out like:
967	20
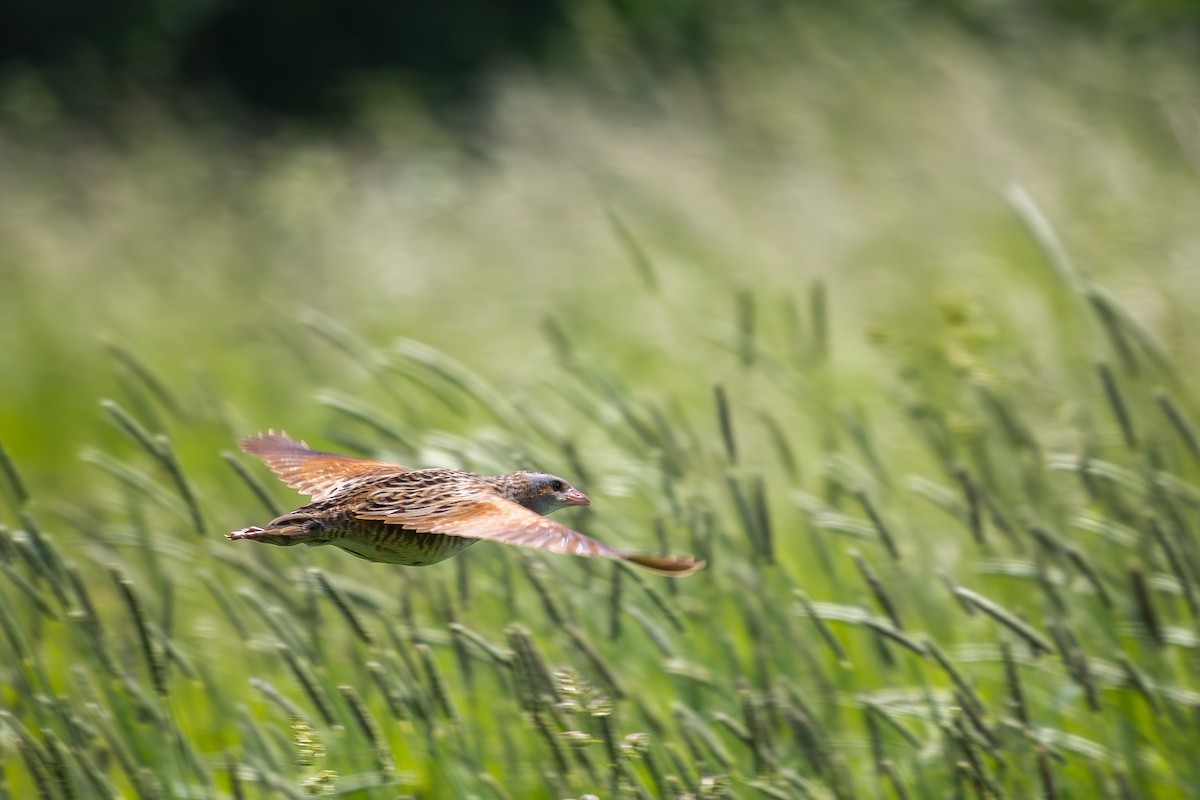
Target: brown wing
312	472
498	520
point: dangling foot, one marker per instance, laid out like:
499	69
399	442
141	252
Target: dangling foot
245	533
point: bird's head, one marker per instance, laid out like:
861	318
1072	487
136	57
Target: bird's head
549	493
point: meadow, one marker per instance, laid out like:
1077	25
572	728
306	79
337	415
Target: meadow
896	335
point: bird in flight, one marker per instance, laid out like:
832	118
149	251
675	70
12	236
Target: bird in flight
415	517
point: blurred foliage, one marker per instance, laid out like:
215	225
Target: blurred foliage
895	331
313	59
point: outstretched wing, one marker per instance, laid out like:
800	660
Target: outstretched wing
312	472
482	516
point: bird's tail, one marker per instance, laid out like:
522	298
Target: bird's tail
671	566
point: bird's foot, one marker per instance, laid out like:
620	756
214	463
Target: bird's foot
245	533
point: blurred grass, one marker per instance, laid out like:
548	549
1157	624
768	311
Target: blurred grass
895	336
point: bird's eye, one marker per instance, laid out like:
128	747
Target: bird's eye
558	486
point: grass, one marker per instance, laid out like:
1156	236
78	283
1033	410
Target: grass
935	435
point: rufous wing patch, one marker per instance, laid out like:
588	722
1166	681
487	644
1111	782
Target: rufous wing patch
498	520
313	472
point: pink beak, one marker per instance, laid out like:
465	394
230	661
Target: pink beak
576	498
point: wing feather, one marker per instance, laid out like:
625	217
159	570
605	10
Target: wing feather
498	520
312	472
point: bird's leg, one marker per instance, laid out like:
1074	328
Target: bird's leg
290	529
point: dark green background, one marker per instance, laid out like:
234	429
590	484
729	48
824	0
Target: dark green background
270	59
